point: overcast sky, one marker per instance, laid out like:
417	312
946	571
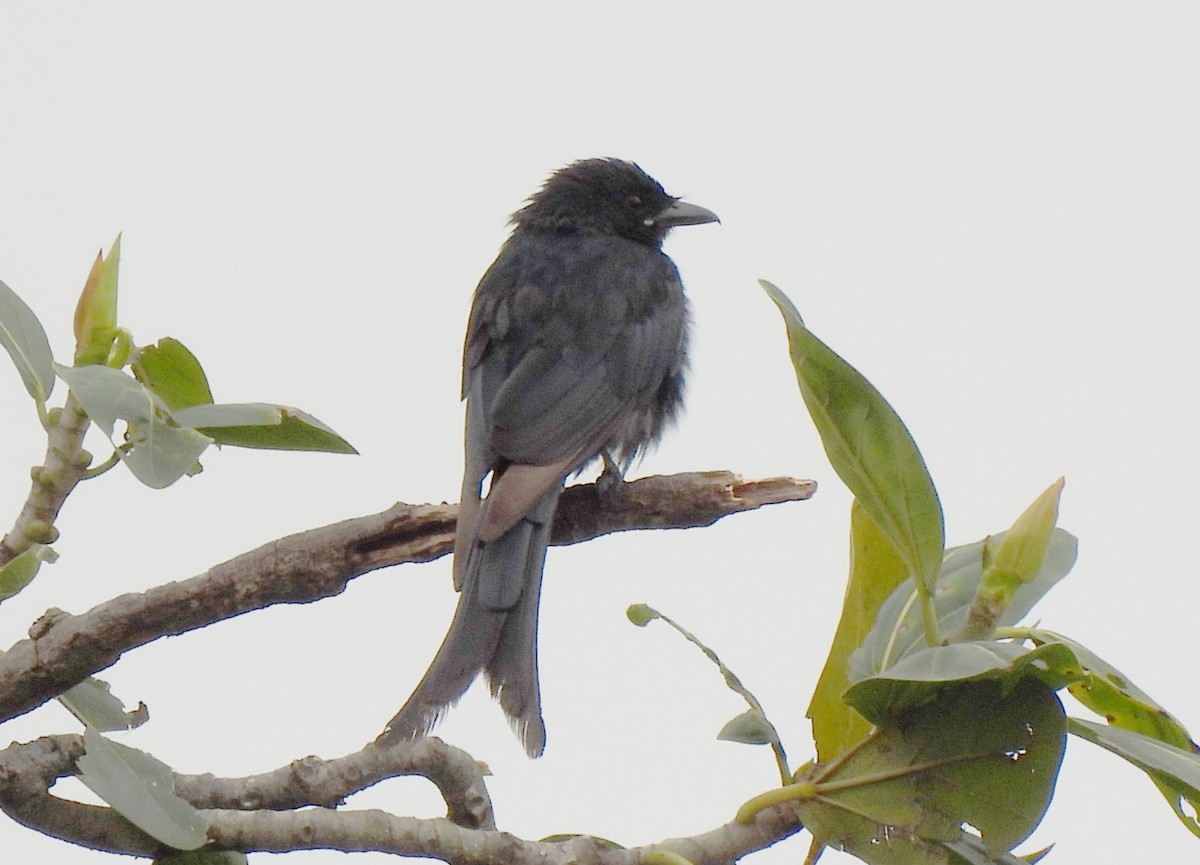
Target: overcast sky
991	209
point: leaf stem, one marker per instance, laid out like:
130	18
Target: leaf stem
775	796
97	470
928	615
735	685
892	774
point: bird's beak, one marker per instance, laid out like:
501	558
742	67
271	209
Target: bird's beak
682	213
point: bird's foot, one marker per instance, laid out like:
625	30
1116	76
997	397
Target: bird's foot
612	477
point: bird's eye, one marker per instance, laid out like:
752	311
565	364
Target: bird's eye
634	201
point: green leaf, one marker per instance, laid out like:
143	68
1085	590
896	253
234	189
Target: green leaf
20	571
261	425
869	447
875	571
976	754
919	677
96	312
175	375
140	788
24	338
156	448
1135	719
1109	693
92	702
897	630
172	372
1175	771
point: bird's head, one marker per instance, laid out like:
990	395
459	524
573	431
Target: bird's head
608	196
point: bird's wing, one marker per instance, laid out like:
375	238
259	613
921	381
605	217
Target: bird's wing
557	403
548	417
558	370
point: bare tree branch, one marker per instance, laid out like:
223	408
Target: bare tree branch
313	781
254	817
360	831
27	771
256	813
63	649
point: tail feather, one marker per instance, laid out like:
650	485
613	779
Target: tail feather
512	671
494	631
469	645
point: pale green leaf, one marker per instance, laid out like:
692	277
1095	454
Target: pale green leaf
141	789
109	395
156	448
92	702
262	425
1175	771
749	728
20	571
920	676
216	415
897	630
25	340
161	453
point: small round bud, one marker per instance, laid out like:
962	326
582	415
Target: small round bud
47	477
41	532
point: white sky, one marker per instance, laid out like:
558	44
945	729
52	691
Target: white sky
990	208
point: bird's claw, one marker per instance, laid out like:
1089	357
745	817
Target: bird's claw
612	477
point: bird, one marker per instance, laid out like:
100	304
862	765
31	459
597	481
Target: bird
576	350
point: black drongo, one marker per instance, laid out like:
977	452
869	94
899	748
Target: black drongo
576	348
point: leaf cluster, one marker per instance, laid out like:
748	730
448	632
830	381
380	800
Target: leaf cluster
937	719
156	408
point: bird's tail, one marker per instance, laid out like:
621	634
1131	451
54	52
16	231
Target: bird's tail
512	670
494	631
466	650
